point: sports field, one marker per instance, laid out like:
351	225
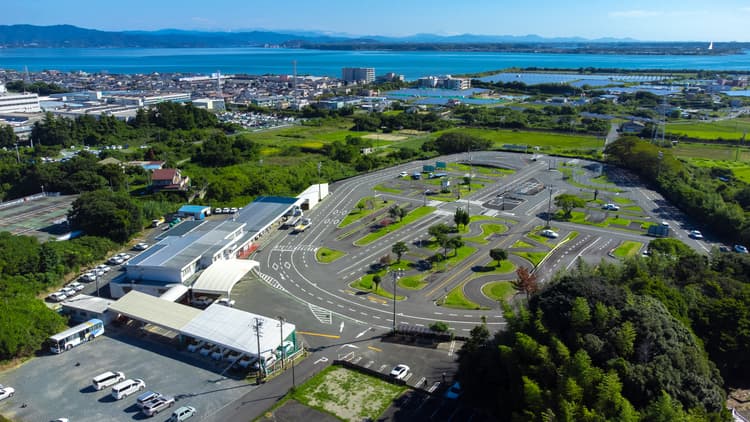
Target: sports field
42	217
730	157
732	129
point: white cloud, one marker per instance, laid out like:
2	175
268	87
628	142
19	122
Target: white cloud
635	14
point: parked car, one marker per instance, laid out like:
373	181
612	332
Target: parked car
233	210
127	387
403	174
115	260
88	277
105	268
147	397
549	233
225	211
6	392
157	405
140	246
225	301
399	371
195	345
124	256
740	249
610	207
696	234
454	392
182	414
75	286
57	296
202	301
217	211
219	353
69	292
723	248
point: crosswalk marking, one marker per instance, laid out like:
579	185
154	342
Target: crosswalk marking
322	314
271	281
303	248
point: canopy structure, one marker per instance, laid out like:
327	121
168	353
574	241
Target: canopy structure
235	329
175	292
151	309
222	275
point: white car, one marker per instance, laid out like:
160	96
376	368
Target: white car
57	296
225	210
75	286
123	256
115	260
696	234
88	277
69	291
195	345
140	246
226	302
217	211
549	233
105	268
611	207
399	371
403	174
6	392
233	210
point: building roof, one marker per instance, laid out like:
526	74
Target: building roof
222	275
164	174
154	310
88	303
232	328
193	209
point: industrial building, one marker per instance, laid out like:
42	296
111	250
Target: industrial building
18	103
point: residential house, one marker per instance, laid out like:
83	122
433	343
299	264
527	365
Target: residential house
169	179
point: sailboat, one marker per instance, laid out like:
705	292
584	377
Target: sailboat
711	45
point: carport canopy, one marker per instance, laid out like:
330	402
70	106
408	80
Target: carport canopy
222	275
153	310
235	329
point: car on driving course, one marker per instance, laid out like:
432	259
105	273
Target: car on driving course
695	234
740	249
6	392
399	371
610	207
549	233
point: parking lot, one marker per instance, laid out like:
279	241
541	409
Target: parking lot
56	386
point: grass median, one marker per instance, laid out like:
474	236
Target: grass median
408	219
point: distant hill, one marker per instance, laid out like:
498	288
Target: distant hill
31	36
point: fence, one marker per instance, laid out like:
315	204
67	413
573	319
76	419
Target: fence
29	198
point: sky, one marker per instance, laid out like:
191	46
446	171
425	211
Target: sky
663	20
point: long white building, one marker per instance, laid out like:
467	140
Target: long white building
18	103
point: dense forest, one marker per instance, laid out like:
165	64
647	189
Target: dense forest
655	339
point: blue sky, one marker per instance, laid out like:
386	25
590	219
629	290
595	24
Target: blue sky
720	20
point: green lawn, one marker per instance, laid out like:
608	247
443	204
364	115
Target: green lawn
740	169
412	282
546	141
325	255
365	284
413	216
621	200
487	230
381	188
534	257
347	394
505	267
356	214
498	290
732	129
627	248
457	300
521	244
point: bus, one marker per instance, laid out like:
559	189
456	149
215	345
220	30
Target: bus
72	337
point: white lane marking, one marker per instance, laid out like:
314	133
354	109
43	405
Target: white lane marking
362	333
434	387
452	346
341	327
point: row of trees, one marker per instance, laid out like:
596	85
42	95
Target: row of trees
704	194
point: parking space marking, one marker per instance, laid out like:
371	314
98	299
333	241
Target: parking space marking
408	376
382	367
434	387
421	380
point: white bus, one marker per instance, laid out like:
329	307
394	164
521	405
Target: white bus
72	337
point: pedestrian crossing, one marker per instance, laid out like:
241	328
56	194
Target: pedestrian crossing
295	248
271	281
322	314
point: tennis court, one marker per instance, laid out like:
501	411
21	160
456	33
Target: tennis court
43	215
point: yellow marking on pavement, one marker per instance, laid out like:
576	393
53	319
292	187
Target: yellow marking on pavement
318	334
351	292
376	300
374	348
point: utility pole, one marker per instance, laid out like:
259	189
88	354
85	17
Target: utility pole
257	325
549	206
281	342
320	164
660	156
395	274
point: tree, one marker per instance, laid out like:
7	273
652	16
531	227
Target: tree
498	255
399	248
455	243
376	279
107	214
461	217
525	282
567	202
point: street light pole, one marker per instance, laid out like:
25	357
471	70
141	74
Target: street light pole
281	342
320	164
549	206
395	274
257	325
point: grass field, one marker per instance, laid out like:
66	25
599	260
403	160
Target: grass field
456	299
325	255
487	230
498	290
732	129
627	248
548	142
365	284
534	257
347	394
412	282
410	218
521	244
356	214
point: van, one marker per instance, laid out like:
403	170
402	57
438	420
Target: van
106	379
127	387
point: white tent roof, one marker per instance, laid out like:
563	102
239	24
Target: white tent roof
175	292
153	310
234	329
221	276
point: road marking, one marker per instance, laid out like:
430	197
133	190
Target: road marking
452	346
406	378
341	327
382	367
357	359
321	314
434	387
369	364
374	348
323	359
318	334
360	334
421	380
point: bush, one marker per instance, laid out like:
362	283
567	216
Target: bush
439	326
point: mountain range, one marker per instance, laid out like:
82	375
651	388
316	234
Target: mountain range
72	36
